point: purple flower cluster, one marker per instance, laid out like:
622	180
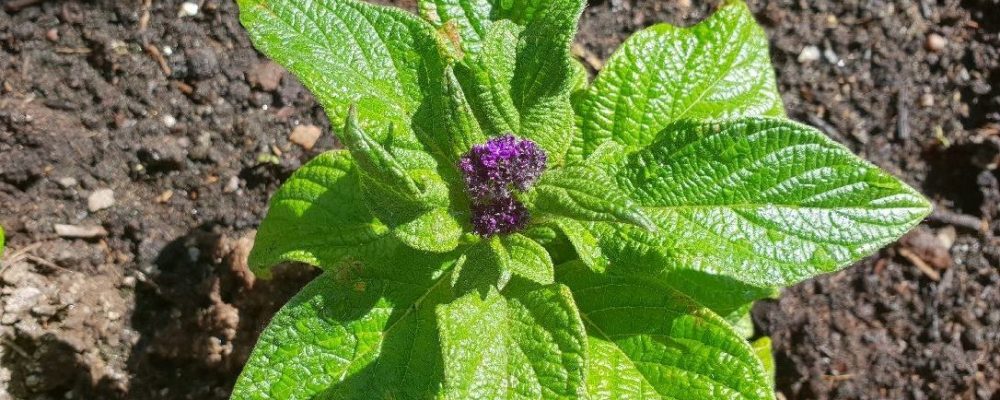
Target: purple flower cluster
493	172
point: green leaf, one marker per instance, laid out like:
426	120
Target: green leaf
1	240
762	349
750	204
383	175
458	130
517	69
488	76
492	262
473	19
741	321
585	192
436	231
718	68
524	344
399	187
647	341
350	52
318	217
588	248
525	258
363	332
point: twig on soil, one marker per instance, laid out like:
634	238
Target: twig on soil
920	264
158	57
19	254
592	60
966	221
183	87
17	5
17	349
144	19
50	264
902	114
73	50
838	378
827	128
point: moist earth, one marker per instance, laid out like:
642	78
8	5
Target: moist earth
139	145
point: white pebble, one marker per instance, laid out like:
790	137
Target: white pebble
169	121
809	54
168	51
936	42
188	9
232	185
100	199
830	56
66	182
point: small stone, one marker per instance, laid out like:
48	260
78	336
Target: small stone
809	54
162	153
169	121
232	185
188	9
100	199
927	100
21	300
305	136
67	182
831	56
52	35
947	236
936	42
266	75
79	232
8	319
164	197
168	51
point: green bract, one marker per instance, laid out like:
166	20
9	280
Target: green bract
676	194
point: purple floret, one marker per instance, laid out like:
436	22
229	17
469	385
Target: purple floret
493	172
501	217
503	164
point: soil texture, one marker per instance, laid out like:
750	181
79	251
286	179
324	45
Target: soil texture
139	146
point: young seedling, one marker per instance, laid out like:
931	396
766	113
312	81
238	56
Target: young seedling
499	227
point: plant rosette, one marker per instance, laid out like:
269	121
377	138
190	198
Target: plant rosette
499	226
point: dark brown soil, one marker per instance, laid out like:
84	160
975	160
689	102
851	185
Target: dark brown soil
190	127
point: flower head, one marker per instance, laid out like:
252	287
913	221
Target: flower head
501	165
493	172
501	217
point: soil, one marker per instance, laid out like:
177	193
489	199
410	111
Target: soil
190	129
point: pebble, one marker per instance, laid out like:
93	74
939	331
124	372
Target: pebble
21	300
79	232
927	100
305	136
809	54
188	9
830	56
266	75
52	35
100	199
936	42
232	185
169	121
67	182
